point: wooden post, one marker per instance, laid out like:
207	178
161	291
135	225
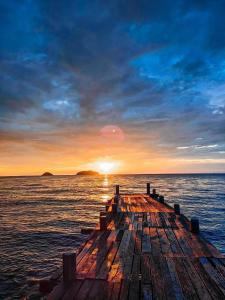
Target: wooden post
116	199
177	209
117	189
148	188
103	223
154	191
114	207
161	199
45	286
194	225
69	267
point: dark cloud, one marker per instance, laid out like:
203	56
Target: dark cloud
152	67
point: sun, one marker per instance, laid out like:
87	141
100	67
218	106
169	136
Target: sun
106	167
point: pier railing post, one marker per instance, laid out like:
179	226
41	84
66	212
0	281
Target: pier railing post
114	207
116	199
177	209
148	188
194	225
117	189
69	267
103	222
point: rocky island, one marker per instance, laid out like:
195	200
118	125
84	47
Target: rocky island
89	172
47	174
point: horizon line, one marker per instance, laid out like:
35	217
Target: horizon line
123	174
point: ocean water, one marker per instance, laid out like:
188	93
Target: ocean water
41	217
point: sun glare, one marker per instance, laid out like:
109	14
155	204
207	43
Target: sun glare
106	167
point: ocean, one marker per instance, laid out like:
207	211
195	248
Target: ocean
41	217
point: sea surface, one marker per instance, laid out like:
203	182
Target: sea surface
41	217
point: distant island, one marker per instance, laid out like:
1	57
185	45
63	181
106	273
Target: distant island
89	172
47	174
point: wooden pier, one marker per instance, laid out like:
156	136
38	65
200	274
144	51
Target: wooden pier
142	249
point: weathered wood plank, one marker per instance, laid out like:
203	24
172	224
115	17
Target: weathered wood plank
146	292
104	248
100	290
134	289
164	242
209	282
175	247
186	284
147	252
178	293
115	272
103	272
219	265
197	282
155	243
146	241
213	273
85	289
124	291
72	290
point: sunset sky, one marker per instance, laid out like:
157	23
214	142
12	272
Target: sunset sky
140	84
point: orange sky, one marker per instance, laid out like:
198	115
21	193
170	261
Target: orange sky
68	154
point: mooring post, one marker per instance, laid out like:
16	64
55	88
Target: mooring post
116	199
103	222
117	189
69	267
161	199
177	209
45	286
194	225
148	188
114	207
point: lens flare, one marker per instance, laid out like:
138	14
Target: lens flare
112	133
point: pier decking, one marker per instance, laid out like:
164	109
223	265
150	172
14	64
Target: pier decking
143	250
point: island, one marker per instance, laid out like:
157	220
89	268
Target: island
89	172
47	174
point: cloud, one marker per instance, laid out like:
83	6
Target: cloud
153	68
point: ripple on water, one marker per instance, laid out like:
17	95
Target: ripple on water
41	217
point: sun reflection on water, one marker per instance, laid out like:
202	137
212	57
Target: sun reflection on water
105	197
106	181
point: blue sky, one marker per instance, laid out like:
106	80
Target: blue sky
153	69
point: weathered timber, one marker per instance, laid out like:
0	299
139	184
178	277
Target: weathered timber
194	225
103	223
148	188
143	249
69	267
117	189
177	209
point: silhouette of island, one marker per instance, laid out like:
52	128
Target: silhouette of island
47	174
89	172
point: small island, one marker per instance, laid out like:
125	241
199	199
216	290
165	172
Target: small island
89	172
47	174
